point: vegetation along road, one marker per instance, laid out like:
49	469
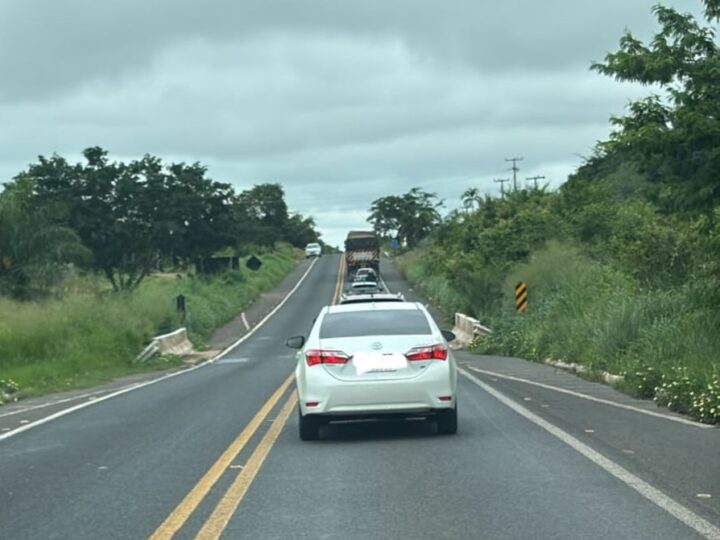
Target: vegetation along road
620	260
214	451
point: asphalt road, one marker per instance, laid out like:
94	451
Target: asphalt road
215	451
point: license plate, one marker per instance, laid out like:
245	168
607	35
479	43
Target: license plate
370	362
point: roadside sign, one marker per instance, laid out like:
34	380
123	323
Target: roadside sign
394	243
521	297
253	263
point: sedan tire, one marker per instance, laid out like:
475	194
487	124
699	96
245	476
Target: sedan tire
447	423
309	427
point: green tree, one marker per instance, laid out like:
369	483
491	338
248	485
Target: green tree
411	216
34	250
266	213
675	136
470	198
300	230
130	215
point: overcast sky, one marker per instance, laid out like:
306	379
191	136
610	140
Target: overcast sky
340	101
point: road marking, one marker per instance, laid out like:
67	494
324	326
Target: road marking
245	321
704	496
90	395
219	519
192	500
224	361
654	495
340	282
593	398
137	386
264	319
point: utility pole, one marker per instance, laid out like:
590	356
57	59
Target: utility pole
534	180
514	169
502	184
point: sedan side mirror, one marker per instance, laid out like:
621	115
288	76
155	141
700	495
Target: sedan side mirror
295	342
448	335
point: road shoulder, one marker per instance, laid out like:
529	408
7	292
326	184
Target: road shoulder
670	451
18	414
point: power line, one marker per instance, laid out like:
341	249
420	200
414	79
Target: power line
502	184
514	169
534	180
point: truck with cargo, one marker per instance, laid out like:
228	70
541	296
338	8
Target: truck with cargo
362	250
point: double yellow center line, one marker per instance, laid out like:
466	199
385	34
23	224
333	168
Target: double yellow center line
218	520
340	281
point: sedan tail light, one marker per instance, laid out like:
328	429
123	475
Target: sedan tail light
430	352
320	356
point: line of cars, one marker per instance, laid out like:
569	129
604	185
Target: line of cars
373	356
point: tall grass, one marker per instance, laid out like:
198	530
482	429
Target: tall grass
435	287
92	335
664	341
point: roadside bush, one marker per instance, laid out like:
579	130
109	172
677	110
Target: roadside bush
92	334
435	287
663	341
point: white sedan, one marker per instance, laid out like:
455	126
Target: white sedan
374	360
313	250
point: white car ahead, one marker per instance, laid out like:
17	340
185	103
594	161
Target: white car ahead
313	250
373	360
365	274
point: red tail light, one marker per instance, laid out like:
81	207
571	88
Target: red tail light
319	356
431	352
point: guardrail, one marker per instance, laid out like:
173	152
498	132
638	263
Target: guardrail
176	342
466	329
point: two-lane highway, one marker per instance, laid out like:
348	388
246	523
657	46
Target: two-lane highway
215	452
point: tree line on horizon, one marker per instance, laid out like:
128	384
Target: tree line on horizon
125	220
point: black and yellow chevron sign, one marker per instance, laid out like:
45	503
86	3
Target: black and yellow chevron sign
521	296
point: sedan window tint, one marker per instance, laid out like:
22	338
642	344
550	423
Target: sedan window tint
374	323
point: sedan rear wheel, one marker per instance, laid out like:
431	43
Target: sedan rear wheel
309	427
447	421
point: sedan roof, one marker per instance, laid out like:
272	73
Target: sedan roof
371	297
361	284
367	306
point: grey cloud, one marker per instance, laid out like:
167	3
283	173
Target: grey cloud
341	101
50	47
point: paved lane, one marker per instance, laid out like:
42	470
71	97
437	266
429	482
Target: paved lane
117	469
501	477
128	467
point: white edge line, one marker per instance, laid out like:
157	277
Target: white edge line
245	321
58	402
593	398
654	495
264	320
79	406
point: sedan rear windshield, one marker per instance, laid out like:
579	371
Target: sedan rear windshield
374	323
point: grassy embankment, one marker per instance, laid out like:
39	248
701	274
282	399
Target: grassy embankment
664	342
92	335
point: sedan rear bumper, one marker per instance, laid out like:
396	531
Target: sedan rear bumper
377	398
